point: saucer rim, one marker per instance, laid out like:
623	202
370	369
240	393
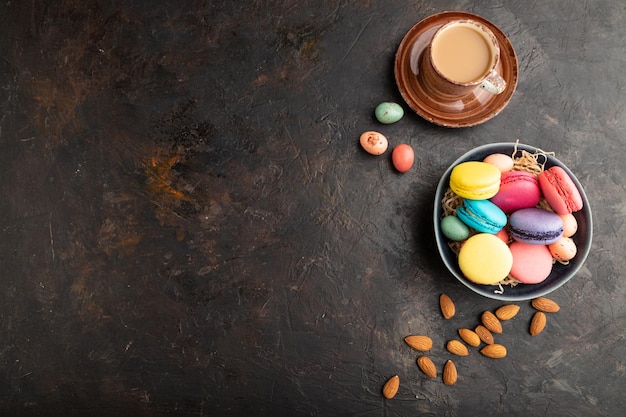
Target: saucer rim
456	120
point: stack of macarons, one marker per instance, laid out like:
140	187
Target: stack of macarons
511	223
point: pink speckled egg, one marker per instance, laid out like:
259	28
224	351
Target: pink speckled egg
563	249
374	143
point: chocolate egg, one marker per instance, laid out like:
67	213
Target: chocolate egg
374	142
388	112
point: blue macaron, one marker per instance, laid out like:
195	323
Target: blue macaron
482	216
535	226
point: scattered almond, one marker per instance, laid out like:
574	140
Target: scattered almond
457	348
495	351
484	334
470	337
427	366
545	304
449	373
507	312
491	322
390	389
419	342
447	306
538	323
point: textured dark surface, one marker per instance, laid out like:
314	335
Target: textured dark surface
189	226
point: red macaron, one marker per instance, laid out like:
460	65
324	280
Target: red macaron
560	191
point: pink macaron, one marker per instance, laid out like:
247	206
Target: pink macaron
518	190
532	264
560	191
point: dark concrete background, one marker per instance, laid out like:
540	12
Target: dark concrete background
190	227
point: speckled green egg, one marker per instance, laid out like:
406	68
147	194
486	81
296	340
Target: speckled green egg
454	229
389	112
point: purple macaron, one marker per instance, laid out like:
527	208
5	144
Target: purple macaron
535	226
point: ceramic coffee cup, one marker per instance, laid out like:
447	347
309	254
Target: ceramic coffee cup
462	56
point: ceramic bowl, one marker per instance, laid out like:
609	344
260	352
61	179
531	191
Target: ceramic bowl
560	273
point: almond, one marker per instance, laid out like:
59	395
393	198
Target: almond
390	389
419	342
470	337
491	322
449	373
538	323
507	312
495	351
484	334
457	348
545	304
447	306
427	366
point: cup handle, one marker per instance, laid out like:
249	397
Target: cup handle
494	83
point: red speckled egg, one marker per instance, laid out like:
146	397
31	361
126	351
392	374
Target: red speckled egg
402	157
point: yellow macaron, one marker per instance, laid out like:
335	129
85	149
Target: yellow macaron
485	259
475	180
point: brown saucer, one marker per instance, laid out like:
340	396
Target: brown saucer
469	111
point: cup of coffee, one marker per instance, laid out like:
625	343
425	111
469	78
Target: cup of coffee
461	57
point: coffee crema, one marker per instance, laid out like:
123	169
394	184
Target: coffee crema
462	53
